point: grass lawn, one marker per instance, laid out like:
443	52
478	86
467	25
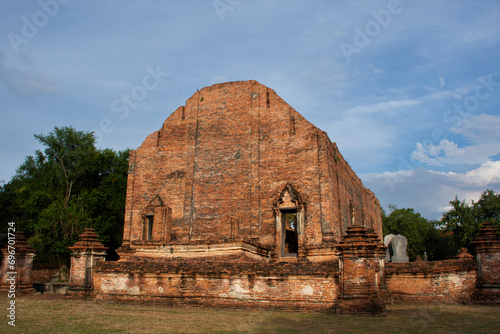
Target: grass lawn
42	315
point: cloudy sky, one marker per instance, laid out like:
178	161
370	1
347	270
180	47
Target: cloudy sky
409	90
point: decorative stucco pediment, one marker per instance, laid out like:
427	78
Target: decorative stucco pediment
154	203
289	199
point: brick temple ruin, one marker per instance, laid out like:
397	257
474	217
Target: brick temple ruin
238	201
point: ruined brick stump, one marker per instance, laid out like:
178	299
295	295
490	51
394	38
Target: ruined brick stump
487	247
360	257
84	256
16	272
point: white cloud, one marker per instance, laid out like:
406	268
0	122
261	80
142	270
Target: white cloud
480	130
429	192
383	106
25	82
447	152
374	69
486	174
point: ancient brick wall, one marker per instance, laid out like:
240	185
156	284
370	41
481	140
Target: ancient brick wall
352	203
239	201
229	281
488	281
448	281
16	271
85	254
487	247
44	275
360	266
491	267
466	278
216	168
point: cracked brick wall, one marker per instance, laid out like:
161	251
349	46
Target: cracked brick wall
447	281
217	165
234	281
220	194
214	193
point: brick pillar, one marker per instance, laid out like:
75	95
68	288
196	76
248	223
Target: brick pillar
379	256
84	255
487	247
16	270
360	258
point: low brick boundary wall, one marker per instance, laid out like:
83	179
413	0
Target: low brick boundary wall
235	282
44	274
448	281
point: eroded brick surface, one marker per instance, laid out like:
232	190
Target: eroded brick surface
217	166
447	281
487	247
236	281
236	200
85	254
361	263
16	271
44	274
239	201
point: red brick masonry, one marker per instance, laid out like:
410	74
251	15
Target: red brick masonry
446	281
15	274
488	259
85	254
239	201
235	281
226	166
362	262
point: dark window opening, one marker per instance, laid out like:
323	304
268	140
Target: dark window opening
149	227
290	244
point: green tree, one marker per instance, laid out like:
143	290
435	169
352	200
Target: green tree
71	153
488	207
58	192
421	234
464	220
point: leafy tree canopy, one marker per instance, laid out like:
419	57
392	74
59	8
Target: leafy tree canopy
423	238
465	220
68	186
443	239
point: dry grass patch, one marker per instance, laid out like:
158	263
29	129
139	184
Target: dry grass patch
36	315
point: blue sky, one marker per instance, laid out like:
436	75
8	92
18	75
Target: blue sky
409	90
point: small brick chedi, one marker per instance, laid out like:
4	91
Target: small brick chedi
238	200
